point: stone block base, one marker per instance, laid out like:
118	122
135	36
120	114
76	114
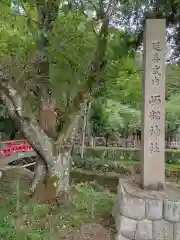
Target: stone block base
147	215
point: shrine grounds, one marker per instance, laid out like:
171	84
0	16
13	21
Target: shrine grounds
94	179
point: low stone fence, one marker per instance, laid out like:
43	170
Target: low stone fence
147	215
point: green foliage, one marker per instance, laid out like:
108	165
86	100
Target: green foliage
68	71
7	126
177	6
172	80
107	172
39	211
36	222
3	112
7	231
102	164
121	80
97	158
172	99
172	156
19	37
72	44
122	117
16	40
111	116
173	113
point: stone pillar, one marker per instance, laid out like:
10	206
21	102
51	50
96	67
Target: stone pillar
143	213
153	117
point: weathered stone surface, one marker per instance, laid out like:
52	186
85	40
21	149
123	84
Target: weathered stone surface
120	237
154	209
144	230
176	231
162	230
132	207
114	210
116	207
127	227
117	222
172	211
145	216
153	162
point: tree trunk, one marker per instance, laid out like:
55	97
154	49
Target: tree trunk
40	172
84	128
52	181
61	171
89	124
52	170
53	185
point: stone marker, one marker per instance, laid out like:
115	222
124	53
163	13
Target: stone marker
153	117
142	214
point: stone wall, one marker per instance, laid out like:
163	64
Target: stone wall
147	215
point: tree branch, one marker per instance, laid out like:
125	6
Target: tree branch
28	126
52	10
94	71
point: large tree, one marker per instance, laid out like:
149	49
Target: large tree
40	80
54	55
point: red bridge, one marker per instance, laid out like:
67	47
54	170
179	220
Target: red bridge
13	150
11	147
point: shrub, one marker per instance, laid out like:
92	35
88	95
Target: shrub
113	154
172	156
103	165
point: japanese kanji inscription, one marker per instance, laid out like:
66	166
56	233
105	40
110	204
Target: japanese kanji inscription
153	168
155	100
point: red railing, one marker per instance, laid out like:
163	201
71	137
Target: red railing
10	147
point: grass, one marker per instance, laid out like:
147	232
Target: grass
101	165
23	220
172	156
167	165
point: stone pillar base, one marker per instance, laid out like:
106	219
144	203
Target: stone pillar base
147	215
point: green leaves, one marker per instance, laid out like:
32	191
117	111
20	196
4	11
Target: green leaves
122	116
71	47
177	6
172	80
173	113
82	27
112	116
74	50
3	112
